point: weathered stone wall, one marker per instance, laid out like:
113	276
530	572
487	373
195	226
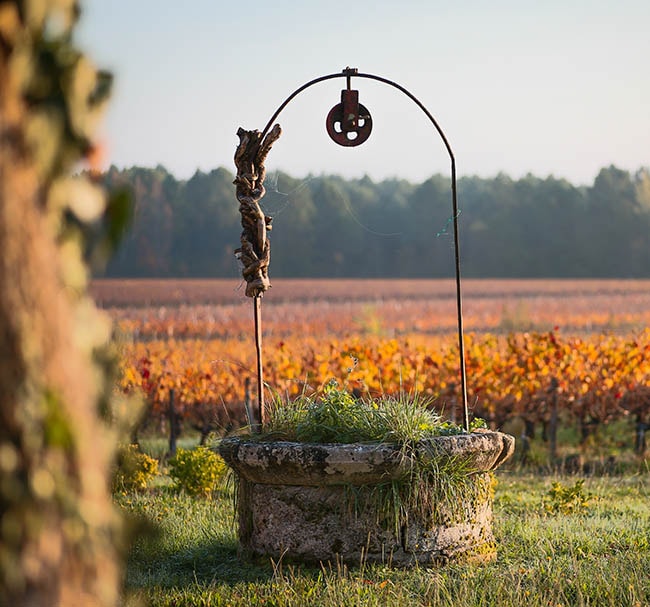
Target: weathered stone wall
330	522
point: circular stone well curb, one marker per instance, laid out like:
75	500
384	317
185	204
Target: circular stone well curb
295	501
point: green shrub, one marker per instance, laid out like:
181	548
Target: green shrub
572	499
197	471
133	470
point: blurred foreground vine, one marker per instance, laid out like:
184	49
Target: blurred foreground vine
58	531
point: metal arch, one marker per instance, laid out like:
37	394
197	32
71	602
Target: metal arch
349	73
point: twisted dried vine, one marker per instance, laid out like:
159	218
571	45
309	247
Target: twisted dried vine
255	250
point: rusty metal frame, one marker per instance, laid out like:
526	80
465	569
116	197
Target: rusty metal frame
349	73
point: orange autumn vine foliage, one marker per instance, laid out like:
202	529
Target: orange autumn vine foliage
596	378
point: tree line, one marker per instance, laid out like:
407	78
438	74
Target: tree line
328	226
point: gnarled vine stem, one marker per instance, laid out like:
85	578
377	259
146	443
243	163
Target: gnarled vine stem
255	250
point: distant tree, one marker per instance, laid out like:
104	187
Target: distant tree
336	253
616	230
426	247
147	249
548	219
642	187
296	217
206	225
152	224
491	236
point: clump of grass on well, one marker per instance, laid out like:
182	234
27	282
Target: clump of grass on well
436	491
598	557
336	416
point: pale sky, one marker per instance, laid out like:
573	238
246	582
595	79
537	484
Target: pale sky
557	87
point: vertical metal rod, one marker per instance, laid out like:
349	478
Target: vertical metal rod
459	301
173	423
257	308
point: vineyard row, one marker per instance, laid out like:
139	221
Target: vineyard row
591	380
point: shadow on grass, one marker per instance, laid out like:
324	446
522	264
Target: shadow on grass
155	561
194	552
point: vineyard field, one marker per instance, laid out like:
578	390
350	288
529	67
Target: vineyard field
139	292
218	308
580	347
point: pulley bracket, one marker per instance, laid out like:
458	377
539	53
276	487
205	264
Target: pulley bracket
349	123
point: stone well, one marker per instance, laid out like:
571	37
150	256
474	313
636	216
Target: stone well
321	502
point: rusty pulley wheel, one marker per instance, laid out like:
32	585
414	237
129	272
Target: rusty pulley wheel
349	123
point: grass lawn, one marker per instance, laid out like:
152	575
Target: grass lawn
598	554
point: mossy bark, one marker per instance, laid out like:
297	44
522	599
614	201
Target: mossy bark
57	537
